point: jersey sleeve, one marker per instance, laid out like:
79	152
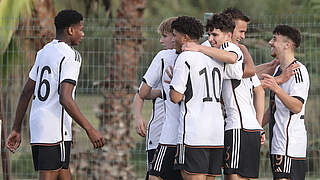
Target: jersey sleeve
299	87
180	75
154	73
233	71
70	69
34	70
255	81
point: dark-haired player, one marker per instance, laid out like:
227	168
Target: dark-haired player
244	104
196	84
288	136
52	81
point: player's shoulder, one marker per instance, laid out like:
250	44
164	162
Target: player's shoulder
302	73
229	45
167	52
64	49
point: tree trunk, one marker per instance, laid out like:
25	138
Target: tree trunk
113	161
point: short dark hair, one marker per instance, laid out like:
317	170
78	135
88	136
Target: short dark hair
220	21
290	32
236	14
66	18
189	26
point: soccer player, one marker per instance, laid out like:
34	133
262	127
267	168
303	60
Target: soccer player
52	82
157	118
161	165
244	104
288	136
196	84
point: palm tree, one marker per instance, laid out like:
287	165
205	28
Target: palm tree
113	161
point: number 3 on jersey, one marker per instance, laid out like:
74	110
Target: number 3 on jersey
44	82
216	93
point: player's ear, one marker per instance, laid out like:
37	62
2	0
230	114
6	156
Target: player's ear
186	38
70	30
229	34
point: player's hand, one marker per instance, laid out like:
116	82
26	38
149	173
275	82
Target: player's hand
170	74
263	138
13	141
287	73
141	127
96	138
191	46
269	82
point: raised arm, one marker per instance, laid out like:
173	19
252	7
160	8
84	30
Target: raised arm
218	54
249	68
293	104
266	68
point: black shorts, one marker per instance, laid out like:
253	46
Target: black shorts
150	156
287	167
51	157
199	160
162	163
242	153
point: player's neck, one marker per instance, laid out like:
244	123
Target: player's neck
286	59
63	39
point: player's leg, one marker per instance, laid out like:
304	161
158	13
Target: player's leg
49	175
65	174
187	176
151	177
210	178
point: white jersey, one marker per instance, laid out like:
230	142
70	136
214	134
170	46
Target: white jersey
57	62
156	120
155	124
288	134
157	75
238	95
199	78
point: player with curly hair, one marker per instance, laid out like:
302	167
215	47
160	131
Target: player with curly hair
196	85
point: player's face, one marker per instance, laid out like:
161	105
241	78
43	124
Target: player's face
277	43
239	31
167	40
217	37
77	33
179	39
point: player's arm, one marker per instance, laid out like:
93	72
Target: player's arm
249	68
266	68
137	110
14	138
287	73
146	92
258	102
175	96
215	53
292	103
73	110
266	117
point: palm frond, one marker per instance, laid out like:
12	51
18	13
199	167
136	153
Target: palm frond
10	11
